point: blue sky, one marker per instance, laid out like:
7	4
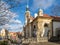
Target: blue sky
34	6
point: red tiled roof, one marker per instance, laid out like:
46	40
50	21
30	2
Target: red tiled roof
31	18
19	33
16	32
57	18
12	32
46	15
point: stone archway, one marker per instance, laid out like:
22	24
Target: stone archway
58	32
46	28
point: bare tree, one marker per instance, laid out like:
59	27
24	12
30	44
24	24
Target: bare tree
12	3
5	13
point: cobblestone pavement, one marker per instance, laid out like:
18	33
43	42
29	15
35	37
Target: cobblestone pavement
46	43
43	43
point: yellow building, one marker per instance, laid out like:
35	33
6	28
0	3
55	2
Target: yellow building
4	33
13	35
41	27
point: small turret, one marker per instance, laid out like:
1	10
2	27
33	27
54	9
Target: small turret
40	13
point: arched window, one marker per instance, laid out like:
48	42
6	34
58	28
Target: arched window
45	25
46	28
34	26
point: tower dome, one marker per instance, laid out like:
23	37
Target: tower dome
40	13
41	10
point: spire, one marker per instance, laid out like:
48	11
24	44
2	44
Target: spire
27	14
27	8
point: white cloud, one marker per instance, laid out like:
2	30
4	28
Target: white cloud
3	6
13	24
4	11
44	4
15	21
11	14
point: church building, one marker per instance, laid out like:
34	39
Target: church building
41	27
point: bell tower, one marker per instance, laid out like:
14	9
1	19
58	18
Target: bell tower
27	15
